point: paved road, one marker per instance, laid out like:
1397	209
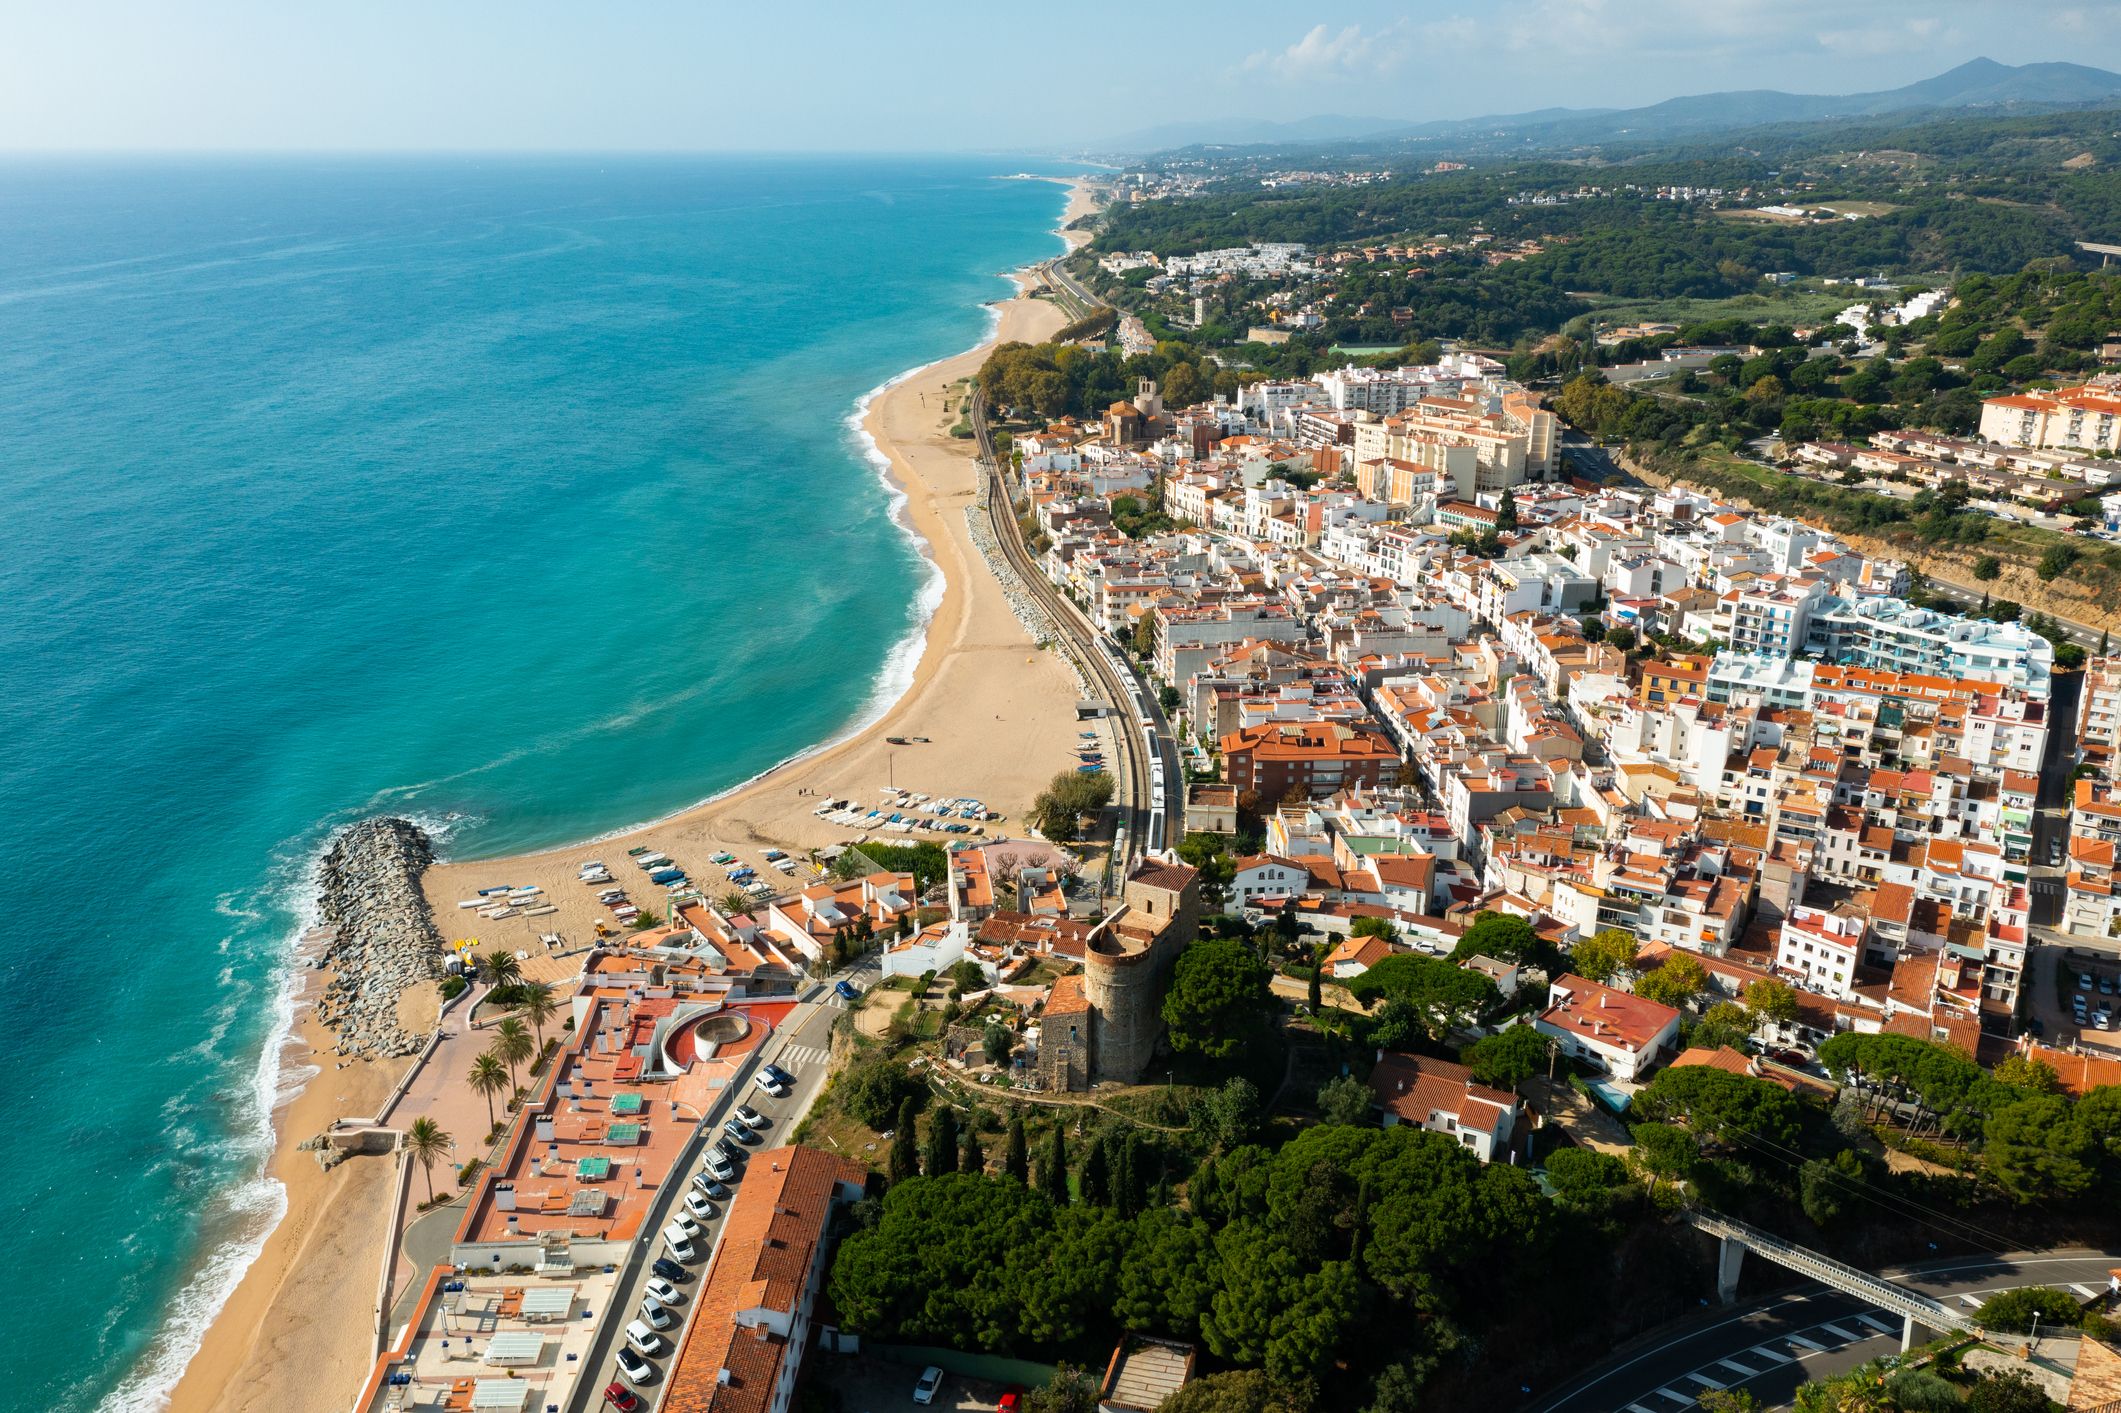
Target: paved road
1771	1346
800	1045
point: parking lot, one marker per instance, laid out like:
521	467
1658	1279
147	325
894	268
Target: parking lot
2093	989
868	1385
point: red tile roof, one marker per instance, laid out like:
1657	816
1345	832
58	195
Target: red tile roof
730	1362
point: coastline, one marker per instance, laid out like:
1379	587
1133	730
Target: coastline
298	1322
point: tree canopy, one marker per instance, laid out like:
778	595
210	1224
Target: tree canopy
1219	998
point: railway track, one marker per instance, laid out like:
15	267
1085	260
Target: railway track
1140	784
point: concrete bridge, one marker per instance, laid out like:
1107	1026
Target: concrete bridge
1737	1238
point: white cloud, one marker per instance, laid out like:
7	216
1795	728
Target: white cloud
1345	53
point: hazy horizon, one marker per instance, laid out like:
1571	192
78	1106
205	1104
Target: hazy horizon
134	78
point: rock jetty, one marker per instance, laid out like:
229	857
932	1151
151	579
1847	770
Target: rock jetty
370	893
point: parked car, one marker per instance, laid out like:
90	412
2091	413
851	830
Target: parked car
663	1292
926	1386
730	1150
766	1083
720	1167
645	1340
2106	984
751	1118
633	1368
681	1247
846	992
704	1183
670	1270
736	1130
697	1204
622	1398
685	1222
2084	981
656	1314
779	1075
1012	1401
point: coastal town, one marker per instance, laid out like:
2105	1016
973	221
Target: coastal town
1404	777
1351	711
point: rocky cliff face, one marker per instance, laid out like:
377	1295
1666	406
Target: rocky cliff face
386	934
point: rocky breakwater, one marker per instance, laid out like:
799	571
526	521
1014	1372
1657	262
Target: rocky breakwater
386	939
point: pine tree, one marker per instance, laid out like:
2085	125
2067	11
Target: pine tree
1315	993
905	1154
1506	513
971	1158
1053	1173
1017	1161
939	1159
1359	1224
1097	1175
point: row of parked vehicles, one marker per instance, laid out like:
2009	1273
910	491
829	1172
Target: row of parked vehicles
2091	1015
651	1334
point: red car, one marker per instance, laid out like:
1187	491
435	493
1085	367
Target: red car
622	1398
1012	1402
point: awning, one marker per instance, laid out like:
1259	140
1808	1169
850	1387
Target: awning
500	1394
547	1302
513	1347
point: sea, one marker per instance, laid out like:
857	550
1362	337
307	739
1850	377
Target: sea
524	497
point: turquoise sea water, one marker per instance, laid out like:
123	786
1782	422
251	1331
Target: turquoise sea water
516	495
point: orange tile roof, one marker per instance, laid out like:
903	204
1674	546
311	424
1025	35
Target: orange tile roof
729	1361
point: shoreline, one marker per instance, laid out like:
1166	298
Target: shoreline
287	1329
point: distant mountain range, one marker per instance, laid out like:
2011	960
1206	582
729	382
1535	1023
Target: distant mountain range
1977	84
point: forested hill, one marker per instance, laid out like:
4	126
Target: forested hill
1944	197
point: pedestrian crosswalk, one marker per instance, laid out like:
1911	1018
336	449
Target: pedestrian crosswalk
794	1057
1782	1352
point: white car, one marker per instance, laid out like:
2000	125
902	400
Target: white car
663	1292
633	1368
752	1118
685	1222
697	1204
653	1311
681	1247
645	1340
929	1383
767	1084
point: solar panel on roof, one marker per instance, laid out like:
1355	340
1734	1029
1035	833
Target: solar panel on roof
586	1202
592	1169
623	1135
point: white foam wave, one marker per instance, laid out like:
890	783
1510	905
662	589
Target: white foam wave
895	677
241	1217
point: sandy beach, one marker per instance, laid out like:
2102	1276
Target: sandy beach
999	717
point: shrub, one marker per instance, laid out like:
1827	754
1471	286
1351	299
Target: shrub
2013	1311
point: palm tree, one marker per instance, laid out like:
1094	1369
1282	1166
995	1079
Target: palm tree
489	1077
500	967
535	1001
426	1141
511	1046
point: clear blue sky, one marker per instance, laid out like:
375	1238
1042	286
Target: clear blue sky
930	74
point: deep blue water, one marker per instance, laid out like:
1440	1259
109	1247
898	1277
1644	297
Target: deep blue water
517	494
